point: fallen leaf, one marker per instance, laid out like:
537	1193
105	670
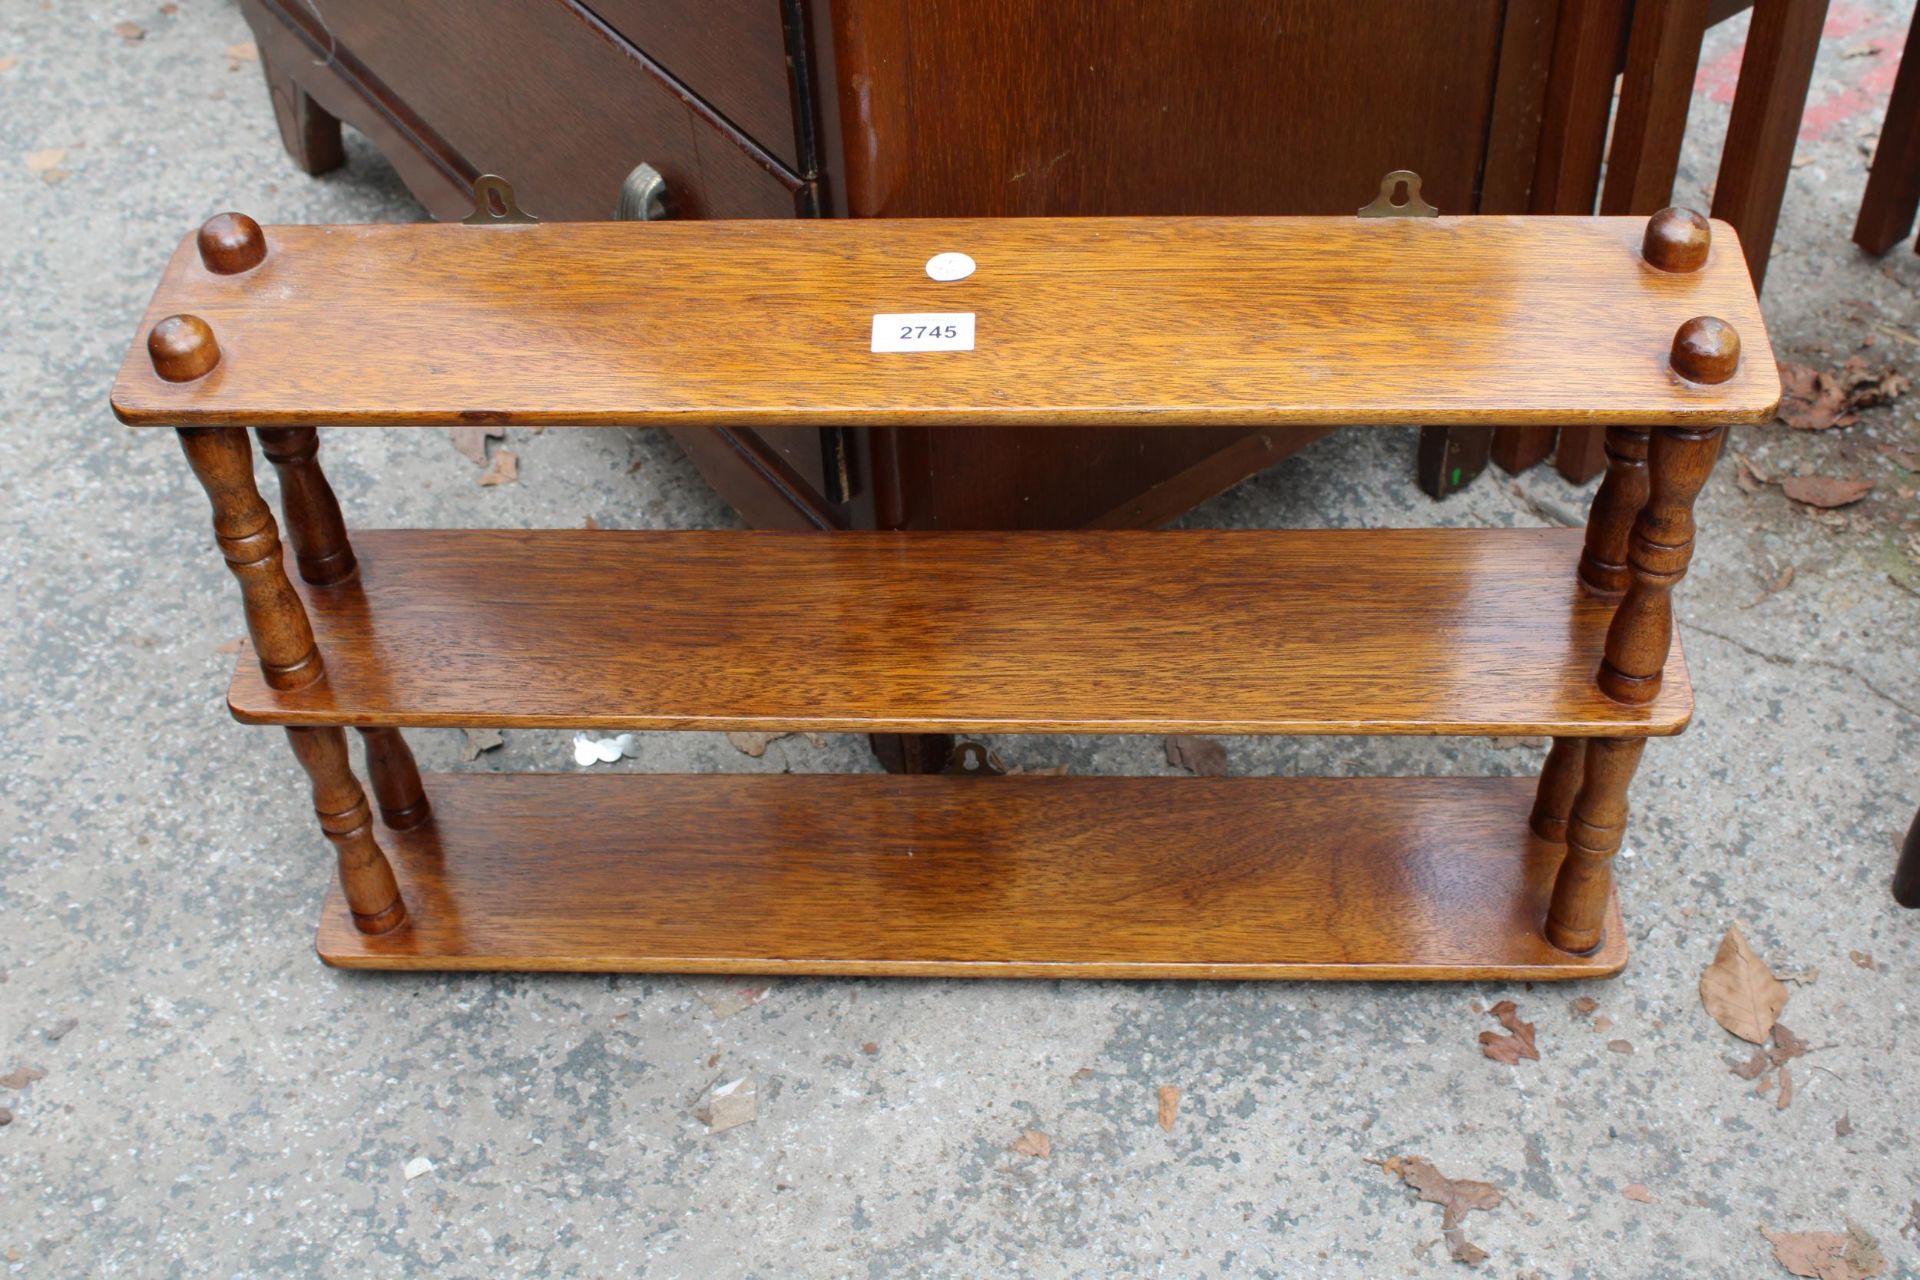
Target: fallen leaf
1033	1143
130	31
1456	1197
1169	1106
1900	457
1755	1067
1740	991
591	523
1861	958
479	740
1083	1073
728	996
1765	1087
1638	1192
753	744
505	469
1584	1005
1786	1045
1603	1023
1785	1099
471	442
1866	387
41	161
59	1030
1201	756
1510	1048
21	1077
1810	399
1827	1255
1844	1125
1825	492
728	1106
1620	1046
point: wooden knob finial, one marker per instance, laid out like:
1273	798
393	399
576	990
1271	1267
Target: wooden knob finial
1706	349
1677	240
231	243
183	348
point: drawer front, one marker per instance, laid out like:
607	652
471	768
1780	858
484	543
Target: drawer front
542	94
731	53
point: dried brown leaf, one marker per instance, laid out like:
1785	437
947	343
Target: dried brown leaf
479	740
1603	1023
1201	756
471	442
1827	1255
1755	1067
504	470
1740	991
1509	1048
130	31
1620	1046
1584	1005
753	744
1861	958
1169	1109
1825	492
21	1077
1786	1045
1456	1197
1033	1143
1785	1099
590	523
1811	399
1637	1191
41	161
1844	1125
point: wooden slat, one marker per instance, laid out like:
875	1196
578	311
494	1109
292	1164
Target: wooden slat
1401	878
1176	321
1470	631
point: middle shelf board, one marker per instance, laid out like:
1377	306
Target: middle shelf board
1402	631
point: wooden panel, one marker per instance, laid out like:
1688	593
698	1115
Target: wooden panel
732	53
1082	322
542	93
1408	878
1201	631
1893	180
1036	107
1663	54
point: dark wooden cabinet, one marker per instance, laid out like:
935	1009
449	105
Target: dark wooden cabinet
870	108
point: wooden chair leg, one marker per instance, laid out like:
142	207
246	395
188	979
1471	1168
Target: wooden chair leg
366	877
1577	916
1893	183
1906	876
1782	39
310	134
244	528
1603	564
1516	449
1581	453
1559	785
396	779
1681	458
1450	457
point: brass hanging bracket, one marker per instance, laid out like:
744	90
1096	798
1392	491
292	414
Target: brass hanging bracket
493	203
1384	205
973	760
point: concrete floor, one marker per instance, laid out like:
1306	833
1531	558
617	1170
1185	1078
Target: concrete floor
225	1106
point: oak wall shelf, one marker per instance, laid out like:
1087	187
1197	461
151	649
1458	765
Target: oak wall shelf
1648	328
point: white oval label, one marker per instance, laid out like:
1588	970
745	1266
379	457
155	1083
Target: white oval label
949	266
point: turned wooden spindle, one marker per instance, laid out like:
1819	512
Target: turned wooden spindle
231	243
315	526
244	528
1577	915
1679	462
366	877
396	779
1603	563
1559	784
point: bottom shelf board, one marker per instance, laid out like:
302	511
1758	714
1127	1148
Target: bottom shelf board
1035	877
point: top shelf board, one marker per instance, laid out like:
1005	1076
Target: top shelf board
1079	322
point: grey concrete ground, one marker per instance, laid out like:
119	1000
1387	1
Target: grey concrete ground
222	1105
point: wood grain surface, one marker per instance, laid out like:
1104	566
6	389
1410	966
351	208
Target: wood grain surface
1093	322
1404	631
1401	878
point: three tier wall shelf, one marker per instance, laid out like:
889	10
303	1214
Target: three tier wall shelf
1648	328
